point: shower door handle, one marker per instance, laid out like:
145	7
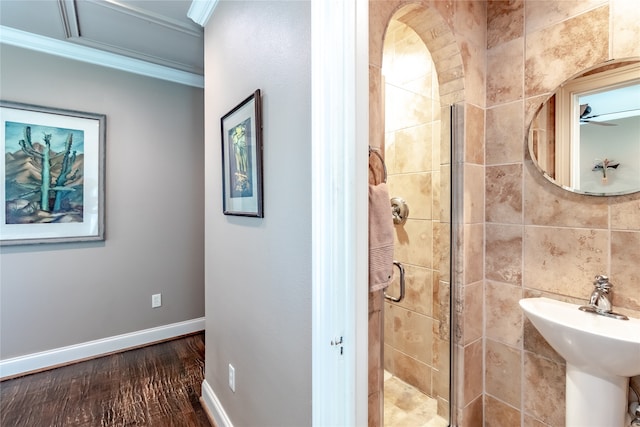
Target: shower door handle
398	298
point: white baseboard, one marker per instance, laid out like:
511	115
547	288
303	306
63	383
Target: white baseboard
213	406
64	355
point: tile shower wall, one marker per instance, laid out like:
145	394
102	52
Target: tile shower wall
455	35
541	240
412	152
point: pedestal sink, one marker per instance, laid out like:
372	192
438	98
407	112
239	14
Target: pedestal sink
601	354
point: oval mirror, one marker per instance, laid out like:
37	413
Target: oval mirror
586	136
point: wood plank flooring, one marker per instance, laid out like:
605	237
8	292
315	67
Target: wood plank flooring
158	385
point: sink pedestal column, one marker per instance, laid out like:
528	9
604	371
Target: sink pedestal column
595	400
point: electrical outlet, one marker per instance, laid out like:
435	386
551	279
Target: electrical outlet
156	300
232	378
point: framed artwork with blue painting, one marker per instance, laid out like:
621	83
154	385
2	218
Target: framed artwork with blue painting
52	173
242	158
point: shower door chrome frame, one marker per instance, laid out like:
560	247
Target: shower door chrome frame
456	251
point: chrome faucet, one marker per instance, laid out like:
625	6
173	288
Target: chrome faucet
599	297
599	301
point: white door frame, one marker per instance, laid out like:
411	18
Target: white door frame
339	153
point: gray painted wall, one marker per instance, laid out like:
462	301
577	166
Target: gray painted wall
57	295
258	271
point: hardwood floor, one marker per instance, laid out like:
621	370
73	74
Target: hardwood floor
158	385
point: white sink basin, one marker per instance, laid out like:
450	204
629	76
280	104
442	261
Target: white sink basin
586	340
601	354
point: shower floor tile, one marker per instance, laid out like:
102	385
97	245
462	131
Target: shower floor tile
406	406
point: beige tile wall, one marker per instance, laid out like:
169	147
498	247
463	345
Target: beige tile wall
412	142
542	240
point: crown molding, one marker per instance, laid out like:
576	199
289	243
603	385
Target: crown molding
23	39
201	10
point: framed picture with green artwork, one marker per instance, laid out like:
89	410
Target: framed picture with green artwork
242	159
52	173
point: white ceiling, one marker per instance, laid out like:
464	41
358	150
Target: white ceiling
154	31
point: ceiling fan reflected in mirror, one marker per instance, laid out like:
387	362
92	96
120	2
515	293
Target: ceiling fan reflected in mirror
585	116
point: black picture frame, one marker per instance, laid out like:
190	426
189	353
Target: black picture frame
242	186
